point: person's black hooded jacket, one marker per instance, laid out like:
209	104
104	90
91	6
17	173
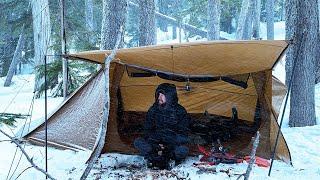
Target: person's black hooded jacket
168	123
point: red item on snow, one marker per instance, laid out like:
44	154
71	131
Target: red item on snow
261	162
204	151
214	158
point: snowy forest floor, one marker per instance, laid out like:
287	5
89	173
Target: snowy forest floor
303	144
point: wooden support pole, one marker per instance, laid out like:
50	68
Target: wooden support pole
46	113
103	126
63	51
252	155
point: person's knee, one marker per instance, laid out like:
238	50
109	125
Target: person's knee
137	142
180	139
181	152
142	145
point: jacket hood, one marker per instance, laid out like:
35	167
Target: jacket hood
170	92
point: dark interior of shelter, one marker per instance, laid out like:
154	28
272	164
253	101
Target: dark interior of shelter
206	129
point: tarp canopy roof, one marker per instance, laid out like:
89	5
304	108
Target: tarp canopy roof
214	58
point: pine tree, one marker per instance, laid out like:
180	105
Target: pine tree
214	19
113	17
270	19
163	6
318	58
242	21
78	37
89	15
303	28
256	21
13	15
42	35
147	22
230	11
16	58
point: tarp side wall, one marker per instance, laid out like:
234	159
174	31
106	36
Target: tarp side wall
113	142
260	81
277	91
77	122
278	94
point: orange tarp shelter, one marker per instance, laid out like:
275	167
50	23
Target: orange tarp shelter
221	74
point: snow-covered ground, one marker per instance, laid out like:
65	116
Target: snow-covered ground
17	99
303	142
166	37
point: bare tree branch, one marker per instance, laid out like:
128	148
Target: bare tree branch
14	140
22	172
5	140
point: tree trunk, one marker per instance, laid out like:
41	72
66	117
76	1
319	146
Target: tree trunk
240	34
180	37
270	19
89	15
256	19
282	10
175	22
318	58
319	13
20	66
147	29
41	35
174	31
303	28
89	21
214	19
163	9
291	8
15	60
249	20
317	70
1	68
6	52
113	17
64	51
175	7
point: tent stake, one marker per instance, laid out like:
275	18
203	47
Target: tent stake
45	112
283	111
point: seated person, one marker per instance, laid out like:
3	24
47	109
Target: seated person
165	129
